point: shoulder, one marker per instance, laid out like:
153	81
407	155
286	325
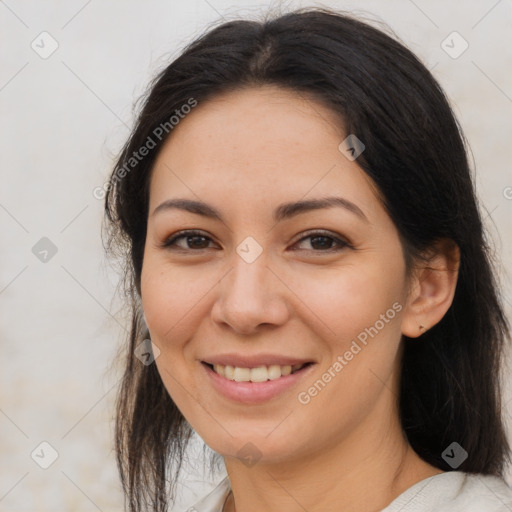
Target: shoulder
455	491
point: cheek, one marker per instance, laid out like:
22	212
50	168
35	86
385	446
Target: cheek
171	297
361	306
349	299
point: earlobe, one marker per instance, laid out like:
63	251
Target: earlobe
432	289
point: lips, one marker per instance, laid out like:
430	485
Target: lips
239	387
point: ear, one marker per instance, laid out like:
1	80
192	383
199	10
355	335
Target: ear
431	288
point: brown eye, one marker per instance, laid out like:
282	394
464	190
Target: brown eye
193	240
196	240
324	242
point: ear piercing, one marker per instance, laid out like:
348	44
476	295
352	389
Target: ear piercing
422	327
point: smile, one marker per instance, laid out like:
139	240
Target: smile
256	384
258	374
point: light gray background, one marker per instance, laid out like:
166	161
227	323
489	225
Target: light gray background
63	118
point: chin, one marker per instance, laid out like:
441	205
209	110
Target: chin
254	448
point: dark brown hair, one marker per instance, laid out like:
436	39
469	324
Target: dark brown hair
416	156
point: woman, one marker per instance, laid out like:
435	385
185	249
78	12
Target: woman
303	247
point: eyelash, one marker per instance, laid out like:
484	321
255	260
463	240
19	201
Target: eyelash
342	244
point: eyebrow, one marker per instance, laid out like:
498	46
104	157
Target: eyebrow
282	212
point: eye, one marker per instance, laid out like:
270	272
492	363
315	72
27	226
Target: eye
192	240
320	241
324	241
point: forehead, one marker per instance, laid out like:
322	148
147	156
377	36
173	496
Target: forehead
255	146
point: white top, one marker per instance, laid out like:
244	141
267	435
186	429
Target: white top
452	491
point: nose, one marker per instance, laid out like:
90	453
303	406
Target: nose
250	296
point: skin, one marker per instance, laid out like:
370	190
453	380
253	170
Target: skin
245	153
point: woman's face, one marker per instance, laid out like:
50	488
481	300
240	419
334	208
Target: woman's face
269	285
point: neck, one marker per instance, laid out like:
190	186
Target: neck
363	472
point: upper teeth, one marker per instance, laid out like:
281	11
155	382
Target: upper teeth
258	374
